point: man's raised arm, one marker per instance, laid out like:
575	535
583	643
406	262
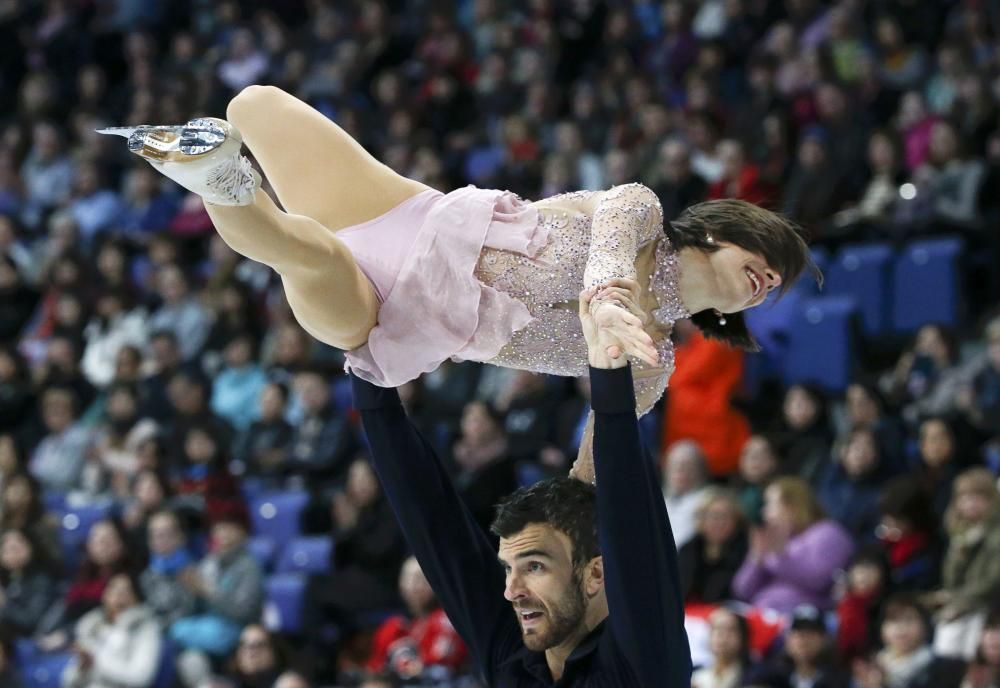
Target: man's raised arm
455	555
645	605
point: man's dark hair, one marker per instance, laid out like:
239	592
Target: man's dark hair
567	504
774	237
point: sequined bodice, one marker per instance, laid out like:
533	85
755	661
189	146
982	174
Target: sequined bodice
583	249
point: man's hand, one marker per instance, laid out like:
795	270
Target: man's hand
611	330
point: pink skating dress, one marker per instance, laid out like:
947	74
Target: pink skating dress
483	275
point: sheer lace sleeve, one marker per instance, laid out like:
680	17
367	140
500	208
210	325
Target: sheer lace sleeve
648	390
626	218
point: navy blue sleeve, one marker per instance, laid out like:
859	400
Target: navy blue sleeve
640	560
456	556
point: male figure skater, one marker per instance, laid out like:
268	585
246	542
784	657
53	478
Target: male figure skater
584	590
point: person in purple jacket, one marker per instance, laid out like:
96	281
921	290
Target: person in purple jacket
794	556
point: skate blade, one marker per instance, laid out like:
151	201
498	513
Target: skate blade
124	132
172	143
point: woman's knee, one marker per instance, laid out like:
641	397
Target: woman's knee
254	100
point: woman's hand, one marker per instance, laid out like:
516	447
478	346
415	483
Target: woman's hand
626	293
613	330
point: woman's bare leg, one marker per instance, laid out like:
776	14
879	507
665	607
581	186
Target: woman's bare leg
329	295
325	181
316	168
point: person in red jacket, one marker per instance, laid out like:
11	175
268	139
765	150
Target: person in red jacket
707	375
424	642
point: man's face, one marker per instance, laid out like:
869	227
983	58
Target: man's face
545	591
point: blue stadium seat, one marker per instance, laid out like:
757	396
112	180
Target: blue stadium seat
45	670
822	343
262	549
862	272
306	555
285	594
927	285
276	515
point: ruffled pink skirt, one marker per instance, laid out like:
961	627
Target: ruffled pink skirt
421	258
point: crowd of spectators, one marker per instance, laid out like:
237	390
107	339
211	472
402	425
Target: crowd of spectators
147	369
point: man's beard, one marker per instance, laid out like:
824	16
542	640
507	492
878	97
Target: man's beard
562	619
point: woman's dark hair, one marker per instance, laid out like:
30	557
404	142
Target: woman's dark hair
705	226
906	499
566	504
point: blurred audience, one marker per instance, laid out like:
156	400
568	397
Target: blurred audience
146	367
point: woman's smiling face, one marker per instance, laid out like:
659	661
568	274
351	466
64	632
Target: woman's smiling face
743	278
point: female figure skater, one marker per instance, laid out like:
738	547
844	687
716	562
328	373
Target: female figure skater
403	277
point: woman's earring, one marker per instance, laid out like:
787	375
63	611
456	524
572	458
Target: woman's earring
709	238
722	318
